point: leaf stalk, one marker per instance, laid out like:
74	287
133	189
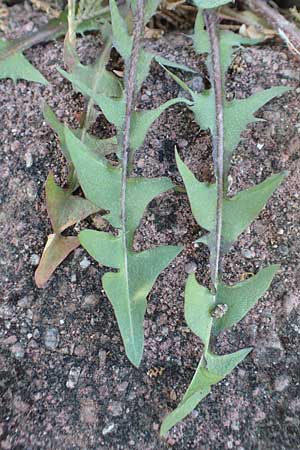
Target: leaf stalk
218	138
130	101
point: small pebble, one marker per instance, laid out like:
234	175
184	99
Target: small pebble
197	84
281	383
190	267
283	250
108	429
36	333
122	387
80	350
85	263
90	301
24	302
290	301
115	408
18	350
28	159
34	259
10	340
247	253
51	338
73	377
280	231
73	278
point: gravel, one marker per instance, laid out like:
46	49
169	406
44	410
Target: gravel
244	411
51	338
108	429
85	263
18	350
73	377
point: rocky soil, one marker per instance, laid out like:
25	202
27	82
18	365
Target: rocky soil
65	382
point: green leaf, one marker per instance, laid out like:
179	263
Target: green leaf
167	62
121	38
201	39
238	212
197	310
204	109
205	4
101	147
101	183
114	111
107	83
241	297
103	247
210	312
15	66
143	68
223	365
210	371
183	409
99	180
140	191
64	209
202	196
142	120
244	207
239	113
128	288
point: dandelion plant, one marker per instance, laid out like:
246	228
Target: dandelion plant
103	169
125	197
208	312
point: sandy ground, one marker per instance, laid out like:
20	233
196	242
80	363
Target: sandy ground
65	382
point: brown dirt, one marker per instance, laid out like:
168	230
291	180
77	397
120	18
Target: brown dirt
257	406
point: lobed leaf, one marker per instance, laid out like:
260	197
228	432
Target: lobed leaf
101	183
239	113
114	111
241	297
101	147
99	180
55	252
211	370
64	209
197	309
244	207
107	83
14	65
229	41
238	212
210	312
127	289
121	38
103	247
